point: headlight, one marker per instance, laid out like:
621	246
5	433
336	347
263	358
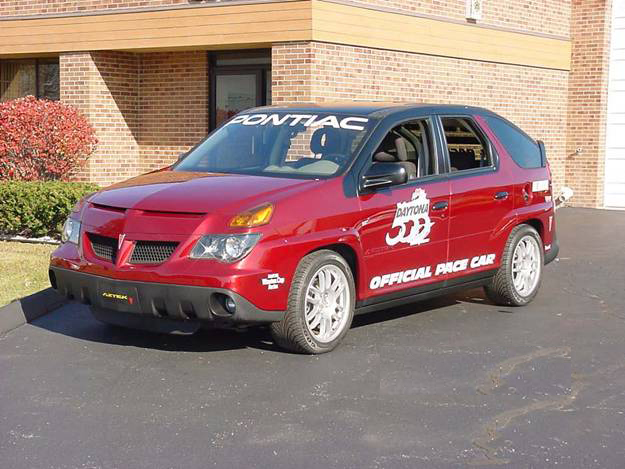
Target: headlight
71	231
224	248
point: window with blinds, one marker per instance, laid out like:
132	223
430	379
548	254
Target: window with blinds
25	77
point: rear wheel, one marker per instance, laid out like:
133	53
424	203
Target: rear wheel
321	305
517	281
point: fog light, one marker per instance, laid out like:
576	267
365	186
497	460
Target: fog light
230	305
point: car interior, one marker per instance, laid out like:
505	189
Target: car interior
408	144
467	149
318	151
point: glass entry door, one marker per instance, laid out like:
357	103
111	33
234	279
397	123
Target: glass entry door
234	92
239	81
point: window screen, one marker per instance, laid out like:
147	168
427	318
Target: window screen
467	148
523	150
17	79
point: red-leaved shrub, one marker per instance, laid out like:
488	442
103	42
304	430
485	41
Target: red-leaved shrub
42	140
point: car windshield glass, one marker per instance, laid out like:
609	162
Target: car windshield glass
281	144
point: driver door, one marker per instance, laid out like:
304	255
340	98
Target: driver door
405	228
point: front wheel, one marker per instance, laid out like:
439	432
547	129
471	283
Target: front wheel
321	305
517	281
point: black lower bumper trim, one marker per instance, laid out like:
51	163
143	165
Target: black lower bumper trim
156	306
553	252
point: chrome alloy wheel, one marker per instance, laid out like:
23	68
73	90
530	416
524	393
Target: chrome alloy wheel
526	265
328	303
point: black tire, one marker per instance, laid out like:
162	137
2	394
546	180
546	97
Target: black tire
501	290
292	333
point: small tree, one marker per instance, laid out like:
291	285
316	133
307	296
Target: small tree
43	140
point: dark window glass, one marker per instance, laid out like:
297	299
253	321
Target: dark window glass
48	80
524	151
24	77
466	146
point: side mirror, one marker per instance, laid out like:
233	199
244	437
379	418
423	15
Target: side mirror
383	175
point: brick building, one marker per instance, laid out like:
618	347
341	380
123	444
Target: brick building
154	76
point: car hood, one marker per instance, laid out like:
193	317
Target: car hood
193	192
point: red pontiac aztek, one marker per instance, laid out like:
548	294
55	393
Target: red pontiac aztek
301	217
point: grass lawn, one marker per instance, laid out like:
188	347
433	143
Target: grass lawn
23	269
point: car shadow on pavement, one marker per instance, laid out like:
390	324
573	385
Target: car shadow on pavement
475	296
76	321
398	312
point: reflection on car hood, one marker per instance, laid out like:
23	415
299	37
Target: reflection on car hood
193	192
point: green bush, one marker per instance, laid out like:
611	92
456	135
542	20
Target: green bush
38	208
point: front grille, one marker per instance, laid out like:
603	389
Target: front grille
152	252
103	246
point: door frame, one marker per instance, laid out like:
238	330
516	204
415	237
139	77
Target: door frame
261	70
442	140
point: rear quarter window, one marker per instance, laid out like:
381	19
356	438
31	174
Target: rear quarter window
523	150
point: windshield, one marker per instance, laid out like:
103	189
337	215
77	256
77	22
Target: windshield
281	144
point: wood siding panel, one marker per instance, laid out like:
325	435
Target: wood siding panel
344	24
262	24
217	27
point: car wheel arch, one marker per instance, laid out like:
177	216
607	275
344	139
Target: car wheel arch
347	252
537	225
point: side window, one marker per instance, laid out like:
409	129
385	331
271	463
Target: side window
411	145
467	148
523	150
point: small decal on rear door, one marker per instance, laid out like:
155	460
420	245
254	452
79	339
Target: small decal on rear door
415	212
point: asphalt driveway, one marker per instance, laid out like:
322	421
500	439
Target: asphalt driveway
445	383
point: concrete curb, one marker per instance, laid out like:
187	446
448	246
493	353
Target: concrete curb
29	308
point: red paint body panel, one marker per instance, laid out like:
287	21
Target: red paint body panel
308	215
377	213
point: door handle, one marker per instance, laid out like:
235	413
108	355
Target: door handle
501	195
442	205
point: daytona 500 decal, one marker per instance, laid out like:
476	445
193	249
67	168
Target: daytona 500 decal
419	273
415	212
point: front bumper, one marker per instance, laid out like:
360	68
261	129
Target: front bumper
156	306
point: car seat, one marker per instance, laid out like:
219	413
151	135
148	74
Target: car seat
326	141
394	150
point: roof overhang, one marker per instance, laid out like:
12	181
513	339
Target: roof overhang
261	23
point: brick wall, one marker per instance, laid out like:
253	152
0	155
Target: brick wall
540	16
173	105
534	99
39	7
146	108
544	16
587	100
103	85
